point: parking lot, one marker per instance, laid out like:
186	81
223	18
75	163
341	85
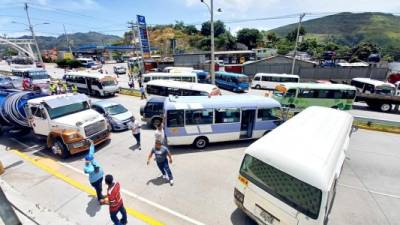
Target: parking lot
368	191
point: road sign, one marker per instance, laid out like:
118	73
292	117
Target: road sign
144	39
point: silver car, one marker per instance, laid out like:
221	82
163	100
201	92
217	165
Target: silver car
117	115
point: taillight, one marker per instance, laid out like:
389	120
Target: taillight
238	196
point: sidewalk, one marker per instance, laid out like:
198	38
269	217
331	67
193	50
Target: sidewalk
47	198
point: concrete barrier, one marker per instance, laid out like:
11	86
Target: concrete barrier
130	91
377	124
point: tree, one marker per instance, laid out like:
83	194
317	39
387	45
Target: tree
190	30
291	36
219	28
225	41
363	51
249	37
284	47
272	38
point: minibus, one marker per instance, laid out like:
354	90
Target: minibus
269	81
235	82
186	77
179	88
370	86
200	120
298	96
92	83
289	176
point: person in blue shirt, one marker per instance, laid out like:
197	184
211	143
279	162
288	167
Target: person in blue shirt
96	174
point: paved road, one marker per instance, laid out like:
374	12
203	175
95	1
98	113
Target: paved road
204	180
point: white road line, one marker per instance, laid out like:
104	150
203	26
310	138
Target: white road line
133	195
373	192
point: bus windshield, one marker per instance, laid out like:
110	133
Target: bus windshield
296	193
67	109
116	109
108	83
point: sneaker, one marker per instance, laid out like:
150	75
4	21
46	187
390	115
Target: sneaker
164	177
171	182
140	148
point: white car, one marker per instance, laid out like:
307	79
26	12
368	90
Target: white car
119	70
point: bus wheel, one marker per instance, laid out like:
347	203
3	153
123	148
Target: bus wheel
258	86
386	107
200	142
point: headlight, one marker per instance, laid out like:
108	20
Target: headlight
116	121
72	136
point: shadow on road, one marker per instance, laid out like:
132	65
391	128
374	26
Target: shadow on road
157	181
93	207
177	150
238	217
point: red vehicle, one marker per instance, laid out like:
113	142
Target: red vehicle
394	77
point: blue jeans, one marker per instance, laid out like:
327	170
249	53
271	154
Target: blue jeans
97	185
164	168
114	218
137	137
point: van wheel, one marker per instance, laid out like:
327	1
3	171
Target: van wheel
155	122
385	107
258	86
200	142
60	149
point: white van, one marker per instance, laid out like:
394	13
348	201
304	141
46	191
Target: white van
294	182
92	83
271	80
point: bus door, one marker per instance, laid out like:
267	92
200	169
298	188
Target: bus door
247	124
89	85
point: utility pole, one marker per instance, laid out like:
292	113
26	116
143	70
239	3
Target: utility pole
133	26
297	41
33	33
66	36
212	69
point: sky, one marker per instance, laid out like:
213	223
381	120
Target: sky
111	16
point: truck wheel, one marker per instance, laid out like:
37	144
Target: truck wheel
200	142
385	107
155	122
258	86
60	149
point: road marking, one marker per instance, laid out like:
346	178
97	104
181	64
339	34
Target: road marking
82	187
133	195
373	192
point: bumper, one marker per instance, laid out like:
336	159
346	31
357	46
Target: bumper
82	146
248	213
118	127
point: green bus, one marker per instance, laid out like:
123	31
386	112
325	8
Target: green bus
298	96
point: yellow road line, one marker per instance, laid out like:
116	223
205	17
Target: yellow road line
37	162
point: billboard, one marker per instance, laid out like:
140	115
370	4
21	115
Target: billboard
143	37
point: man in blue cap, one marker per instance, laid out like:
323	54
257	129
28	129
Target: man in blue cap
93	168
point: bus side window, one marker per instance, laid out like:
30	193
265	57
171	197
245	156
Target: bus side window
265	78
227	115
266	115
290	93
146	79
256	78
175	118
195	117
348	94
306	93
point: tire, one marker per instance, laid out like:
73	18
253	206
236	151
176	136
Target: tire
60	149
200	143
385	107
155	122
258	86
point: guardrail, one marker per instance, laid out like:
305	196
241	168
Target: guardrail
377	124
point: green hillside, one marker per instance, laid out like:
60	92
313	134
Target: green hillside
352	28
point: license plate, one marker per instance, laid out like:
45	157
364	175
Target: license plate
265	216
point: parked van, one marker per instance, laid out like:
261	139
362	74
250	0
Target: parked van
271	80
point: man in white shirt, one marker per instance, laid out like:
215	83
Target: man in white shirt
134	126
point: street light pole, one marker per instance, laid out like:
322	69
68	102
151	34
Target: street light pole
33	34
212	69
297	41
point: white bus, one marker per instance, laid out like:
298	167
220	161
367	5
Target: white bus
186	77
200	120
271	80
92	83
289	176
174	69
86	62
179	88
370	86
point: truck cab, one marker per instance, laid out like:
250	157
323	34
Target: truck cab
67	121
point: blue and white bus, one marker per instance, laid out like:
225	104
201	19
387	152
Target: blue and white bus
200	120
235	82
